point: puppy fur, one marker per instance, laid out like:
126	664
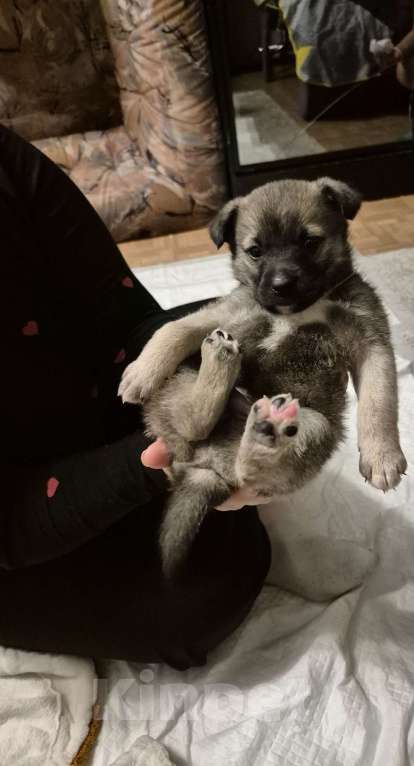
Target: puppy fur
300	320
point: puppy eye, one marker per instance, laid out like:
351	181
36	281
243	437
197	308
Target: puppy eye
291	430
254	251
312	243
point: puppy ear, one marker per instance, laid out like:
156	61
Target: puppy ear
222	227
343	197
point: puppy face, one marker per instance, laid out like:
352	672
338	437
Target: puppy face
289	240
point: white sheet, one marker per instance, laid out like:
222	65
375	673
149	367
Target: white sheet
299	683
46	704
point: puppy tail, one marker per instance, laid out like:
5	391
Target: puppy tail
199	491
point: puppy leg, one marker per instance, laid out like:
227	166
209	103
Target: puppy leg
206	399
198	491
189	406
283	445
381	460
271	424
168	347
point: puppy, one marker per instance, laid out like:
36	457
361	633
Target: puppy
299	321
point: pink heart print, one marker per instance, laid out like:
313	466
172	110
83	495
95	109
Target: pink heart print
31	328
127	282
120	356
52	485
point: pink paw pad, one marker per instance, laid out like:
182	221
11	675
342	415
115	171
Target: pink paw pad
127	282
288	412
51	486
31	328
120	357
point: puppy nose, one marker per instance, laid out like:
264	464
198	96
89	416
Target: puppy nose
283	283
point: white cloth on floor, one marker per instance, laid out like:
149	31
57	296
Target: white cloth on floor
145	752
46	705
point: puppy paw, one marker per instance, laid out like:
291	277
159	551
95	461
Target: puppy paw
142	377
383	466
221	346
274	422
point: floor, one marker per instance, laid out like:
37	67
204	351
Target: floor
261	106
380	225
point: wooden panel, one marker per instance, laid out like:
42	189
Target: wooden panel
173	247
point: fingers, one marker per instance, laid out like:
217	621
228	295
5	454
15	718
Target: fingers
156	455
233	503
242	497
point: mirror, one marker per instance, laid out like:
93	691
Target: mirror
313	78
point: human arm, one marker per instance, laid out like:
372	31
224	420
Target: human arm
401	55
405	60
53	507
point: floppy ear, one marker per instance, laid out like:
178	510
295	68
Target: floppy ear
222	227
343	197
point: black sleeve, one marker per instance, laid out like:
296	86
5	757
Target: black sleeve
50	509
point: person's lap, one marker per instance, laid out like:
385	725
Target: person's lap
106	598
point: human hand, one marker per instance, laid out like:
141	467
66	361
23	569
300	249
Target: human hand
241	497
157	456
386	54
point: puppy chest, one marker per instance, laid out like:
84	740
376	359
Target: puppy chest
301	356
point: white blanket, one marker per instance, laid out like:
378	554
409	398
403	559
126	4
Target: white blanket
45	707
300	683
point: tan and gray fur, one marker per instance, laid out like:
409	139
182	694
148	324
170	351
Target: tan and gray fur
300	320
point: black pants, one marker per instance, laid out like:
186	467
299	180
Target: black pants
80	570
